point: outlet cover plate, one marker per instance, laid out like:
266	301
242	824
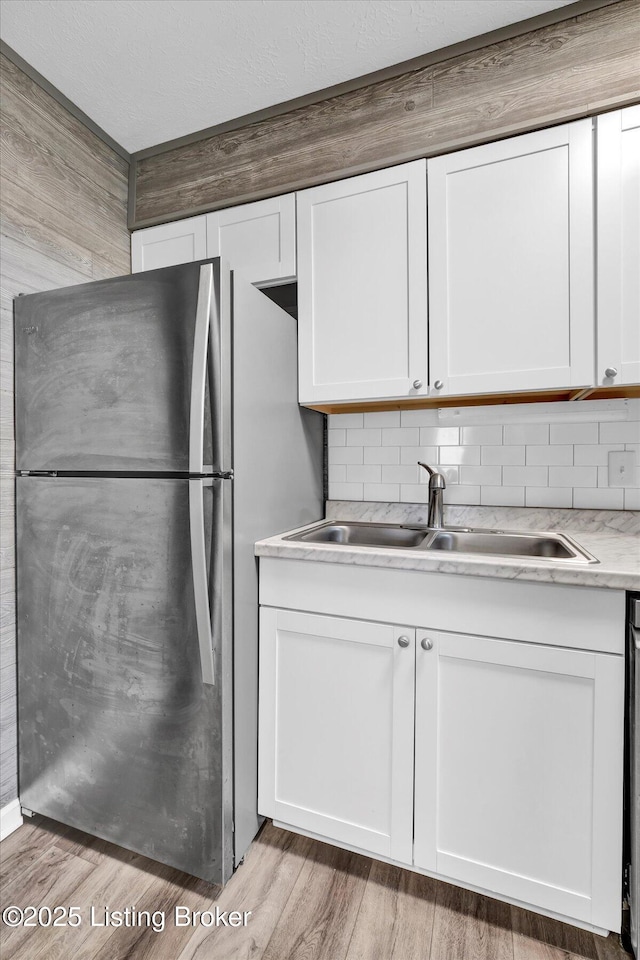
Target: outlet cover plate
622	468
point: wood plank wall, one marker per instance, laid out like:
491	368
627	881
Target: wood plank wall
64	198
575	68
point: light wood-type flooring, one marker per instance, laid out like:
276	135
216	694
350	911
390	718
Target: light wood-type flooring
308	901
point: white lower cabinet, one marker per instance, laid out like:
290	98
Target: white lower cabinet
336	720
492	762
516	790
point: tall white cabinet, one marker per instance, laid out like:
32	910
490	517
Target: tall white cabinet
511	264
258	239
618	220
362	287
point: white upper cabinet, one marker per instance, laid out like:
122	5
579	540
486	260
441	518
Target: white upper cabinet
257	239
511	264
362	287
182	241
618	231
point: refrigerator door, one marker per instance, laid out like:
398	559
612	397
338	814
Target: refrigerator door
112	376
119	734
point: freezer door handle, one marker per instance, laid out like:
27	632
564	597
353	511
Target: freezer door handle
200	578
199	368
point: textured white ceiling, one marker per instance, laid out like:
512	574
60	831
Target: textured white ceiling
147	71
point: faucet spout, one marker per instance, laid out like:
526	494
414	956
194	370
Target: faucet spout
437	484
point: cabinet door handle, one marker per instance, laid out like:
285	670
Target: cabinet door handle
611	372
403	641
426	644
417	384
439	384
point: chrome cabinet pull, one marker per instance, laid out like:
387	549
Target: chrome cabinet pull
426	644
403	641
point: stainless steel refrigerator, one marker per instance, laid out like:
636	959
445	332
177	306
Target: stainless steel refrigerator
158	436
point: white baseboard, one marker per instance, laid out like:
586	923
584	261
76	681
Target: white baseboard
10	818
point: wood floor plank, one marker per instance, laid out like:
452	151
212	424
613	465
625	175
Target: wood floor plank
52	880
263	885
467	925
24	847
395	921
319	917
540	938
165	888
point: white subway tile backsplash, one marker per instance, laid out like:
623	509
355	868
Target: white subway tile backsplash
346	454
439	436
573	433
468	494
382	492
487	476
593	454
503	455
559	455
632	498
414	493
382	454
401	474
401	437
526	433
525	476
419	418
363	473
345	420
598	498
548	497
336	438
538	455
620	432
502	496
469	454
363	438
450	473
492	433
382	418
346	491
573	476
414	454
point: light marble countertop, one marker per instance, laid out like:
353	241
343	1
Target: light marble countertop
612	536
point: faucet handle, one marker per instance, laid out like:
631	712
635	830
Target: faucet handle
436	480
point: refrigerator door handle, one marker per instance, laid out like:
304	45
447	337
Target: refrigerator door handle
199	368
200	578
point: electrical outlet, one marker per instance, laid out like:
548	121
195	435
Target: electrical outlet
622	468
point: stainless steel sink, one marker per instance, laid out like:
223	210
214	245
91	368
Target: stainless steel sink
540	546
556	547
365	535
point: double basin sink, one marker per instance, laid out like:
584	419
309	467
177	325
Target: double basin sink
556	547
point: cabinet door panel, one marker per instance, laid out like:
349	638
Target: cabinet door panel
619	246
362	290
258	239
521	798
169	244
511	263
336	722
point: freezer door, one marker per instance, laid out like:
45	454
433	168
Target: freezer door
126	375
120	734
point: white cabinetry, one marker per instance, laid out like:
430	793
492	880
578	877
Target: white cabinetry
168	244
336	715
362	296
511	264
517	783
618	232
258	240
513	785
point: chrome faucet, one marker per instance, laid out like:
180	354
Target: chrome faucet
435	517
